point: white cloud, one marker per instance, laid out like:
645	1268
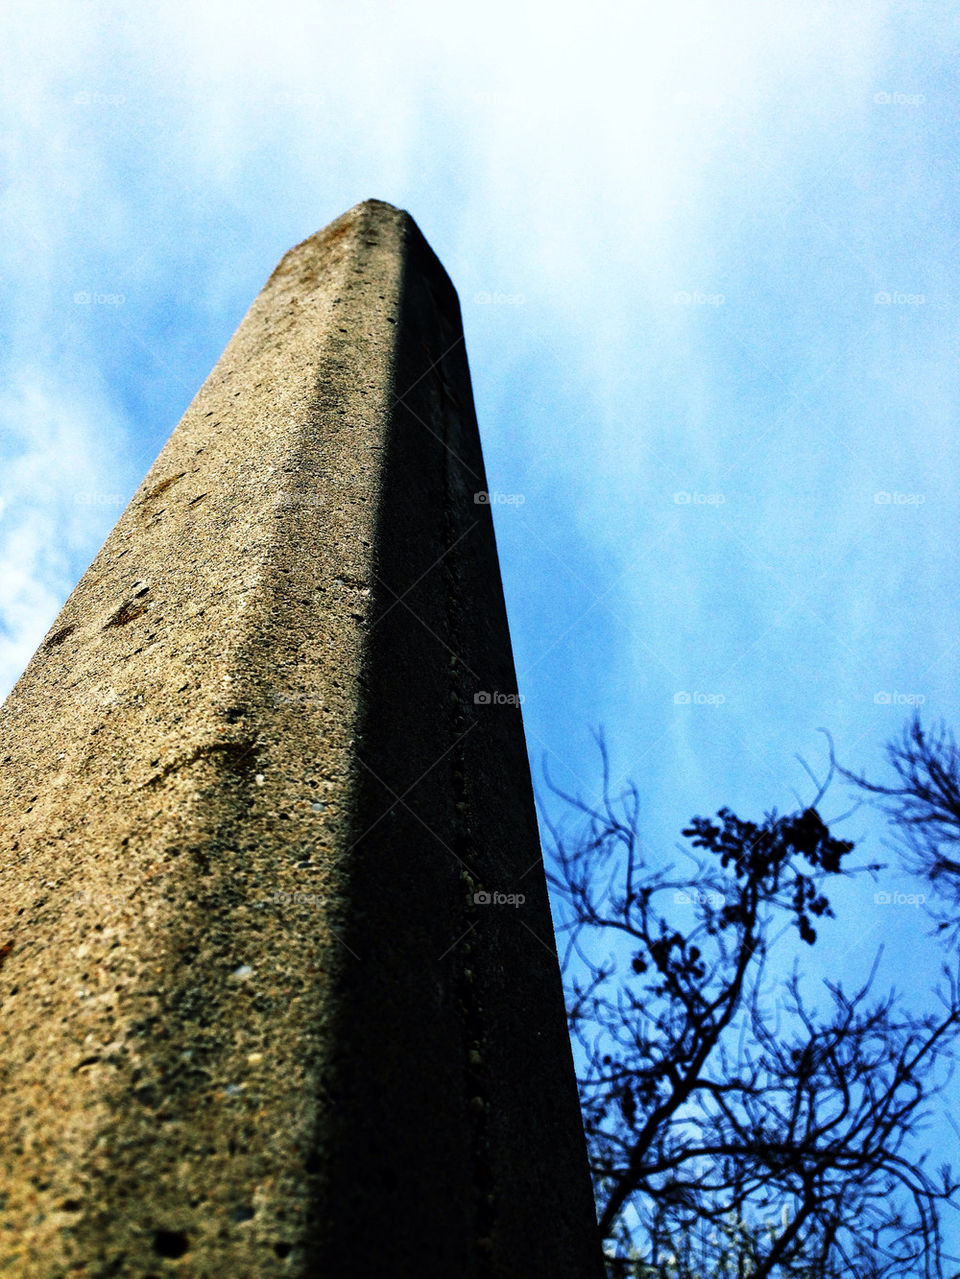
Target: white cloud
60	491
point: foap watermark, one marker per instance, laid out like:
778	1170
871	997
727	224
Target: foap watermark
684	497
884	99
300	499
494	698
699	699
97	698
697	897
483	498
898	699
695	298
883	498
88	498
96	898
697	98
898	299
294	899
496	298
278	698
85	298
481	898
899	899
92	98
304	98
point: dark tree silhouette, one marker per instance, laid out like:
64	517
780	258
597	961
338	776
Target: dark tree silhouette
727	1121
923	805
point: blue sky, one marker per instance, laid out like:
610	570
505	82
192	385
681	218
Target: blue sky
706	257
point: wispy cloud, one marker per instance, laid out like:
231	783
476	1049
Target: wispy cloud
61	489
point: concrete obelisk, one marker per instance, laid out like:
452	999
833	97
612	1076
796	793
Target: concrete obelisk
279	988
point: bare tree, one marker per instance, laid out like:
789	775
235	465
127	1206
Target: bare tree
923	805
710	1101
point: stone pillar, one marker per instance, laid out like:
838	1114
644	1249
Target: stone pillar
279	988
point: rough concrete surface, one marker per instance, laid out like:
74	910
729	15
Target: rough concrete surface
255	1020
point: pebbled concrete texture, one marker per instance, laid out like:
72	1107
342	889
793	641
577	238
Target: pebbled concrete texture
256	1017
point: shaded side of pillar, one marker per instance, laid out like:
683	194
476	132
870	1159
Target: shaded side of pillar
257	1014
